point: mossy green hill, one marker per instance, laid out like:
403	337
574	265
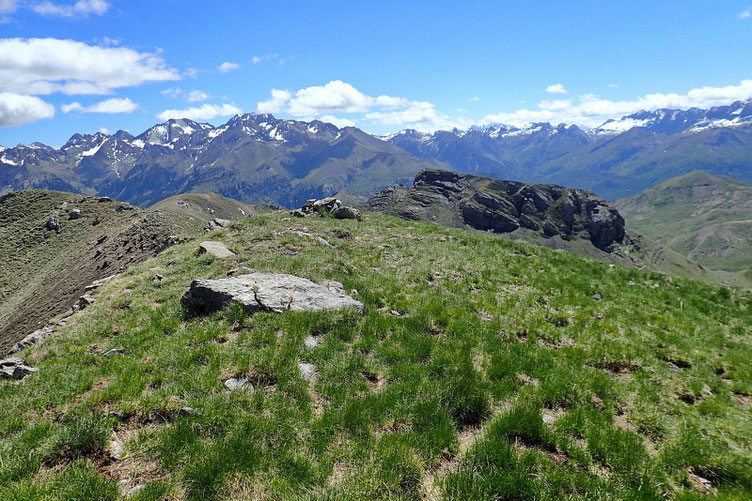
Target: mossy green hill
481	369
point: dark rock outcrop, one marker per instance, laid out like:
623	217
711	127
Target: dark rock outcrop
499	206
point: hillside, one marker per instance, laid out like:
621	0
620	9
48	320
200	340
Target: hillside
705	217
549	215
481	369
204	207
44	270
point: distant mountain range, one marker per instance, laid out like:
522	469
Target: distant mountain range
620	158
258	158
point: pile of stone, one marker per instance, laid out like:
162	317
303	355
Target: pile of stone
329	205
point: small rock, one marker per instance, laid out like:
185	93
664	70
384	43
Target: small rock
15	368
35	337
134	490
53	222
320	240
187	411
157	278
113	352
84	301
310	343
115	449
235	383
216	249
216	224
74	213
596	296
307	371
172	262
298	213
346	212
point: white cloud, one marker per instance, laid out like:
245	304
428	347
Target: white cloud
194	96
205	112
265	57
592	111
197	96
47	65
18	109
613	85
555	104
227	67
276	103
556	89
473	99
338	121
114	105
745	14
340	97
79	8
8	6
104	130
192	72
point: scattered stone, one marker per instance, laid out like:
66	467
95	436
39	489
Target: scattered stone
307	371
216	249
35	337
186	411
15	368
104	199
701	484
172	262
346	212
133	491
84	301
216	224
98	283
320	240
276	292
115	449
298	213
53	222
157	278
113	352
74	213
310	343
235	383
596	296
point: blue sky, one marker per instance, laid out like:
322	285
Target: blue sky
81	66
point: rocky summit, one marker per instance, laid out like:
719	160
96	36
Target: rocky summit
500	206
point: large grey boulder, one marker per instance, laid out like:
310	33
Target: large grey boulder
216	249
346	212
53	222
276	292
15	368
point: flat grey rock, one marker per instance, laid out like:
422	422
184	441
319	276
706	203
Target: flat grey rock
275	292
238	383
310	343
216	249
307	371
15	368
35	337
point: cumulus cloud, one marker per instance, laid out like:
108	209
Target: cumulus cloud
338	97
745	14
591	111
227	67
79	8
205	112
114	105
338	121
265	57
197	96
556	89
17	109
47	65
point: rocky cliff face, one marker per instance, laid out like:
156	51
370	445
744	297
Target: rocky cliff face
504	207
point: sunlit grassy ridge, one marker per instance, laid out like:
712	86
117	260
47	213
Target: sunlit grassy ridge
482	368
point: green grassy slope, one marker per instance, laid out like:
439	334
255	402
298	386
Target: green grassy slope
481	369
203	207
705	217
